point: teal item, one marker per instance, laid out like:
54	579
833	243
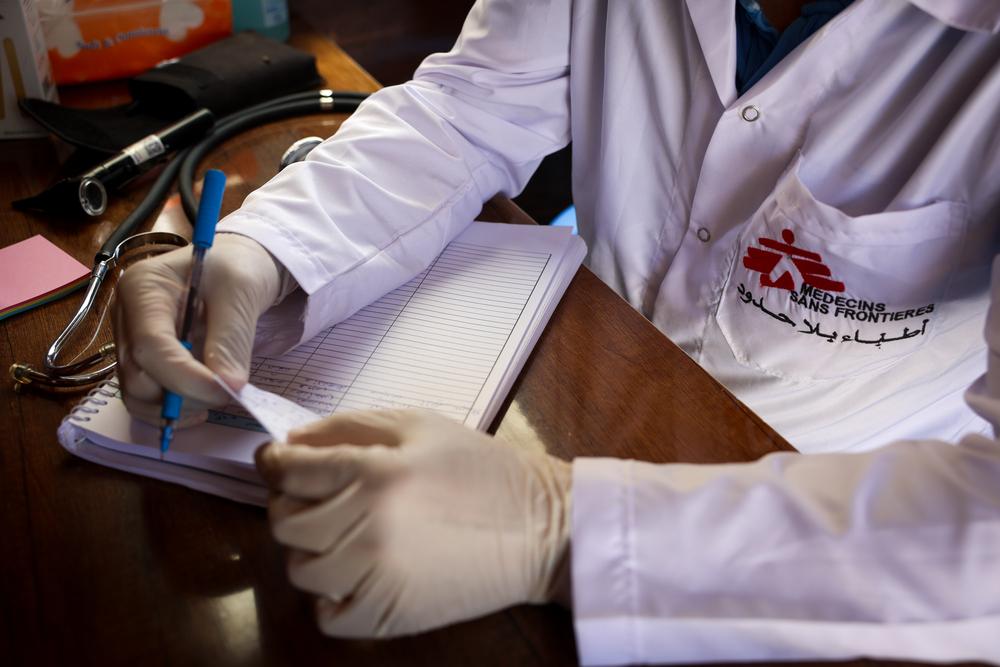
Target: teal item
267	17
566	219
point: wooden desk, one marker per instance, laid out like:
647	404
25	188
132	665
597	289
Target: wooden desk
102	567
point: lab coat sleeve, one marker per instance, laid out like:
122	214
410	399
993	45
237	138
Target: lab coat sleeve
892	553
373	205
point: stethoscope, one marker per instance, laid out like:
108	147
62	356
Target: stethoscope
123	247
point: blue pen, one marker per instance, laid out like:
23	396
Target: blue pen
204	233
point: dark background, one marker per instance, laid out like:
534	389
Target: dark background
389	38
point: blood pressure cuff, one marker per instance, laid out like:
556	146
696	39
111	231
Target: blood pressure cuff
224	77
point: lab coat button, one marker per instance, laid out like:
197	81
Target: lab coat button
750	113
704	235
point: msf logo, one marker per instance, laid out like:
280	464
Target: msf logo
809	265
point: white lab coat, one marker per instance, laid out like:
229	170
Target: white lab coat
820	244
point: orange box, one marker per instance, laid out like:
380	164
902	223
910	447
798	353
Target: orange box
92	40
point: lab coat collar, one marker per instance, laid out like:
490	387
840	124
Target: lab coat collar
718	42
718	37
971	15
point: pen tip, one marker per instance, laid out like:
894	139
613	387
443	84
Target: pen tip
166	434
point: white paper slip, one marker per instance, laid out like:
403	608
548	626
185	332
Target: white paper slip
276	414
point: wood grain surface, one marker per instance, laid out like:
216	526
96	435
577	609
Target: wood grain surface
101	567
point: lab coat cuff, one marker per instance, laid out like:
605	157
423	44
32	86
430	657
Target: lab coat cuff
282	245
604	562
331	296
288	251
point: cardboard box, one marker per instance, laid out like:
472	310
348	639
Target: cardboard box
93	40
24	67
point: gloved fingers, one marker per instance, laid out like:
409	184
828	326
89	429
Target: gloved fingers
192	412
135	383
281	507
142	395
343	618
168	363
317	527
231	323
242	280
148	308
367	612
364	427
338	573
529	443
312	472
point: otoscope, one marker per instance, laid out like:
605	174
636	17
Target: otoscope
88	192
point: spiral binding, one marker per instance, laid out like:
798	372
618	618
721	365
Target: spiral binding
81	411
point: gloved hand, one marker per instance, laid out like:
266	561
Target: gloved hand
403	521
240	281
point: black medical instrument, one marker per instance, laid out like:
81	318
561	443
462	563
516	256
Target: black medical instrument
122	244
87	193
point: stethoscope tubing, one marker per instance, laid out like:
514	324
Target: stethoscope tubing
325	101
181	168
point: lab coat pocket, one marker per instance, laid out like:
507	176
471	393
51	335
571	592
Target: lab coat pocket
813	293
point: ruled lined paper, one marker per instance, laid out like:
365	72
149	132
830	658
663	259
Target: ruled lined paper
436	342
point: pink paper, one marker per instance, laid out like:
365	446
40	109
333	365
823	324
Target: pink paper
34	267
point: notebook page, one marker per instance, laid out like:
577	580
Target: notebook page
441	341
221	450
250	490
563	273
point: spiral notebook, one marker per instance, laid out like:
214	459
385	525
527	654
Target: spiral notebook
453	339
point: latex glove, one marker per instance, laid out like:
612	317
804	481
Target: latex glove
403	521
240	281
